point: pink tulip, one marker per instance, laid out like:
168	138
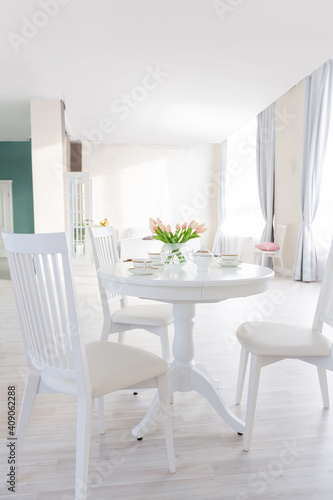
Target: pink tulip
193	224
152	227
162	226
152	221
168	229
159	222
177	226
201	228
184	226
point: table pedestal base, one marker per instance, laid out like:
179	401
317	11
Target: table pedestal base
185	375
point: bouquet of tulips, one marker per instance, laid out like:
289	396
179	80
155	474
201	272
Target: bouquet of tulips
181	234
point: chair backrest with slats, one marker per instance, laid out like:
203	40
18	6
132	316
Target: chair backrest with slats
324	310
105	253
43	286
280	235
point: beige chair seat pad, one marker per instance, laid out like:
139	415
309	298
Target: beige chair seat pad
274	339
113	366
145	315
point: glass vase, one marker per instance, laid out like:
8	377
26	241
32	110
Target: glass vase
174	255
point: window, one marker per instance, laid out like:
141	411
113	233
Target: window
244	221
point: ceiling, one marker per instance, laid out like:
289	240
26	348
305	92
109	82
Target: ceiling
153	71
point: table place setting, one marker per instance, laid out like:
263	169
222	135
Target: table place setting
142	266
156	258
229	260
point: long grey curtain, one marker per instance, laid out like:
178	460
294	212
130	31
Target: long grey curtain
266	167
218	241
317	111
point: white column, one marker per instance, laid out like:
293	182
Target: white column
49	164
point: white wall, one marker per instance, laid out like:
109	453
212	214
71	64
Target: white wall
131	183
49	164
288	167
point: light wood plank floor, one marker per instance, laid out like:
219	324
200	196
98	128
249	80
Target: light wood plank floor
292	449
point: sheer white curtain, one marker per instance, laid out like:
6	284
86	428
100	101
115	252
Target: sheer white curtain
318	98
243	222
323	223
266	167
266	171
218	241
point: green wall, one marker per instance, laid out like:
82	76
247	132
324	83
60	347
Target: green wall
15	165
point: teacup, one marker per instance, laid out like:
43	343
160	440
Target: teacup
229	257
142	263
155	257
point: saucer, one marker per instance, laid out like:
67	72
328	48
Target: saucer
137	270
229	263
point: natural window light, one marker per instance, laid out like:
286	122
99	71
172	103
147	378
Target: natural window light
244	222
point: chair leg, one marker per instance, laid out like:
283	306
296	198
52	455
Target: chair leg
244	356
84	409
251	400
164	336
30	391
106	327
121	337
282	265
101	415
323	386
164	398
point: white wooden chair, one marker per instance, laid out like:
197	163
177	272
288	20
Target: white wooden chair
58	360
272	342
274	254
154	318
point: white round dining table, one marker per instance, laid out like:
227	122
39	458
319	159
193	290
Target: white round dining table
184	288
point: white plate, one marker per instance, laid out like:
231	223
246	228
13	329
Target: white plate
136	270
229	263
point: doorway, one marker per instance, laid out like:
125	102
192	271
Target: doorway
79	216
6	222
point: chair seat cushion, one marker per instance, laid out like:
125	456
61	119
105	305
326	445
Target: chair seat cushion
114	366
274	339
267	246
145	314
111	367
